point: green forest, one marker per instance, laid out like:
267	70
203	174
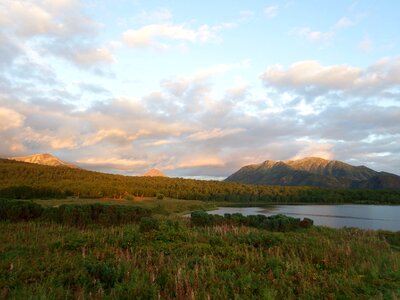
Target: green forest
28	181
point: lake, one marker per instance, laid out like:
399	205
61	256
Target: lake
385	217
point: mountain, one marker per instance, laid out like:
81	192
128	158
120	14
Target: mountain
44	159
154	173
315	171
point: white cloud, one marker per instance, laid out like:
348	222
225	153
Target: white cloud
313	36
343	23
115	163
57	18
201	161
158	143
110	135
366	44
271	11
309	73
157	16
246	15
159	36
215	133
10	119
88	56
311	76
315	149
59	28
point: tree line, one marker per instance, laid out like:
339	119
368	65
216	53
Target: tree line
28	181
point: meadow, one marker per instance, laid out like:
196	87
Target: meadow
165	256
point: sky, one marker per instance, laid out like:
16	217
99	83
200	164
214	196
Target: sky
198	89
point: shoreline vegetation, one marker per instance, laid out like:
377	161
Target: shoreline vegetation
82	252
74	234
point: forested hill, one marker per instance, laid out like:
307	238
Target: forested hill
24	180
315	171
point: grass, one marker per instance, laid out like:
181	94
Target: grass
177	261
166	206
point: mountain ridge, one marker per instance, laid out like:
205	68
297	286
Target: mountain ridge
314	171
154	173
45	159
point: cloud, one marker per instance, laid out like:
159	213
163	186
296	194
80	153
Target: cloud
271	11
366	44
57	28
84	56
312	149
314	36
10	119
157	16
115	136
114	163
311	76
246	15
40	18
202	161
343	23
215	133
160	36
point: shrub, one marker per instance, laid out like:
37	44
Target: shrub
275	223
148	224
19	210
105	273
106	215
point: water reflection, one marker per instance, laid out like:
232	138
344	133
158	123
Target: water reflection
362	216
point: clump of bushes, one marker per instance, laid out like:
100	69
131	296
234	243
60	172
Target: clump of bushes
274	223
83	215
19	210
73	215
147	224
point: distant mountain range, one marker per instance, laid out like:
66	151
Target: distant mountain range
314	171
154	173
44	159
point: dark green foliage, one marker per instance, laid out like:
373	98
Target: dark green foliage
273	223
160	196
104	274
72	215
19	210
23	180
29	192
83	215
306	223
148	224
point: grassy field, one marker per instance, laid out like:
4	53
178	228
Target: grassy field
158	254
166	206
177	261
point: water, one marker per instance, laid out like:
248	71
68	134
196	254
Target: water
385	217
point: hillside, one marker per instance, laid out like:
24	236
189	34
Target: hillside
313	171
44	159
26	180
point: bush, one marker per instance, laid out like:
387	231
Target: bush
107	215
148	224
201	218
105	273
275	223
14	210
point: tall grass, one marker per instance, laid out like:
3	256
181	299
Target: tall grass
173	260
